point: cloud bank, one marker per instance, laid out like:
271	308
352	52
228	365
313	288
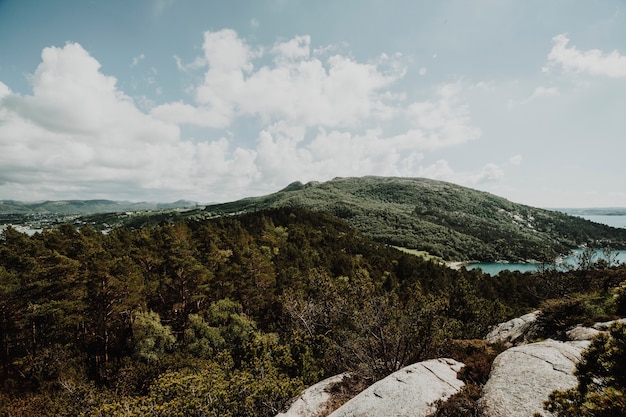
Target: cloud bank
316	115
593	62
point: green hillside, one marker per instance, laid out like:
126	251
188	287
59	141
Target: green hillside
447	220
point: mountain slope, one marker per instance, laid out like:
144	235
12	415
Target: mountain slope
445	219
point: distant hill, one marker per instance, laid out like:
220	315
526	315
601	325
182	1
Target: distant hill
593	211
445	219
84	207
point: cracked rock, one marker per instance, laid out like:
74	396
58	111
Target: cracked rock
523	377
411	391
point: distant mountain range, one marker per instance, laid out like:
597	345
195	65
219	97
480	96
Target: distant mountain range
82	207
595	211
444	219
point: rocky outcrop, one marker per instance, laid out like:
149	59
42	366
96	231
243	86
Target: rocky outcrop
513	331
314	401
604	326
522	377
411	391
579	333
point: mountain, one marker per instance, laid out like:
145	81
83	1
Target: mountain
82	207
595	211
444	219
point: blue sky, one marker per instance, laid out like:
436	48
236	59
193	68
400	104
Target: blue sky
218	100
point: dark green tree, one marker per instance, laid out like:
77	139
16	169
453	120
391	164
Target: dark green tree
601	390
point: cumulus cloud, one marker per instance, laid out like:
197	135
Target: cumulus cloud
78	134
297	85
4	90
443	122
441	170
314	114
594	61
284	151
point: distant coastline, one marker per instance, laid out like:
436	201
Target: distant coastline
611	216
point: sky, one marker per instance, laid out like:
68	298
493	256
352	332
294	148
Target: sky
213	101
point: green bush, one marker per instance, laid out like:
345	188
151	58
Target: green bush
601	390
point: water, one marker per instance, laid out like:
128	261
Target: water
613	221
497	267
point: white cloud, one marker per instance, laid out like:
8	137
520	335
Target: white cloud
296	49
197	63
182	113
4	90
594	61
316	117
444	122
538	93
79	135
516	159
283	150
137	60
297	86
544	92
489	173
441	170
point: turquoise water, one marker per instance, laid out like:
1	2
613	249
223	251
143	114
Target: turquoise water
497	267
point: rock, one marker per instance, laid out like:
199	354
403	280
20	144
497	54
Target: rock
411	391
522	377
604	326
314	400
582	333
587	333
512	331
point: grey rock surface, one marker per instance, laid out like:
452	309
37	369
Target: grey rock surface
523	377
313	402
604	326
582	333
513	331
411	391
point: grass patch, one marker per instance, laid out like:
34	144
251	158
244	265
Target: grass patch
421	253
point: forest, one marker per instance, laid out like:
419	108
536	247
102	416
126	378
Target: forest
234	316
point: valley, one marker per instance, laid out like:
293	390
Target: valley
250	302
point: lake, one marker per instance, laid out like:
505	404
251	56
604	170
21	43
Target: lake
497	267
613	221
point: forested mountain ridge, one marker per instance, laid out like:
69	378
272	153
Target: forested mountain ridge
444	219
